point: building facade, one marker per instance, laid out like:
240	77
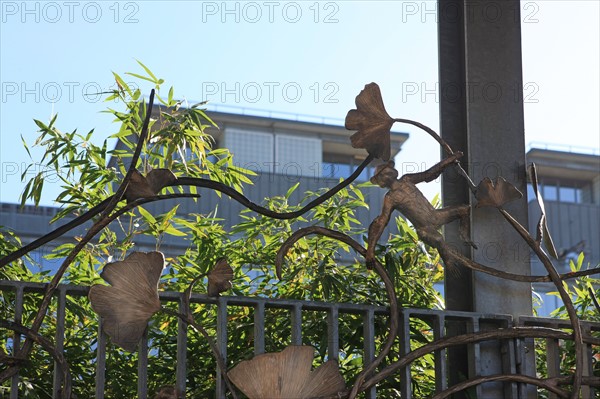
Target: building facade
569	182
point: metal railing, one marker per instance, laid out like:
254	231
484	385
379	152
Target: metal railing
575	149
439	324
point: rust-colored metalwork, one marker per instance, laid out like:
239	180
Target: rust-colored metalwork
287	374
132	297
219	278
372	122
404	196
149	185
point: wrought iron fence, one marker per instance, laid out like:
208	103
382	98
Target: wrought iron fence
513	351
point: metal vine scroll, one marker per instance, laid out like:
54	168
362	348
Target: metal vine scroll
131	298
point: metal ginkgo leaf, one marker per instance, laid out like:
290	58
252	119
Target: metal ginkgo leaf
219	278
372	123
148	186
167	392
287	374
495	194
131	299
542	232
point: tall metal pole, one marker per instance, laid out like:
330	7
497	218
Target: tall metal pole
481	114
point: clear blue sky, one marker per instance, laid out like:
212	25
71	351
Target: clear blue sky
305	57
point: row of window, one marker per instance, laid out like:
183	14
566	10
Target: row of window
288	155
552	192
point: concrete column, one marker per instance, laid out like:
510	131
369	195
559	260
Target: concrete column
481	114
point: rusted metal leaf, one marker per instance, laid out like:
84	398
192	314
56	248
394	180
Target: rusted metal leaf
131	299
168	392
287	374
372	123
219	278
542	232
496	194
148	186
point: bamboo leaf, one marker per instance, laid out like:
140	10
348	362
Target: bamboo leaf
170	96
147	216
135	75
121	83
174	232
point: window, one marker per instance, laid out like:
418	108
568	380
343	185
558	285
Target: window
549	192
567	194
553	190
251	150
297	155
337	166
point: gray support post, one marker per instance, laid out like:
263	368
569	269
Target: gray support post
481	114
458	286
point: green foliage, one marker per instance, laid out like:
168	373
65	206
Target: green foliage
317	268
9	242
583	291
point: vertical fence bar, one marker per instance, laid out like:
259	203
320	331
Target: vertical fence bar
100	362
259	328
404	373
588	366
552	362
59	339
333	344
506	349
369	345
441	370
296	315
221	343
474	351
143	366
14	384
522	347
181	369
508	359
